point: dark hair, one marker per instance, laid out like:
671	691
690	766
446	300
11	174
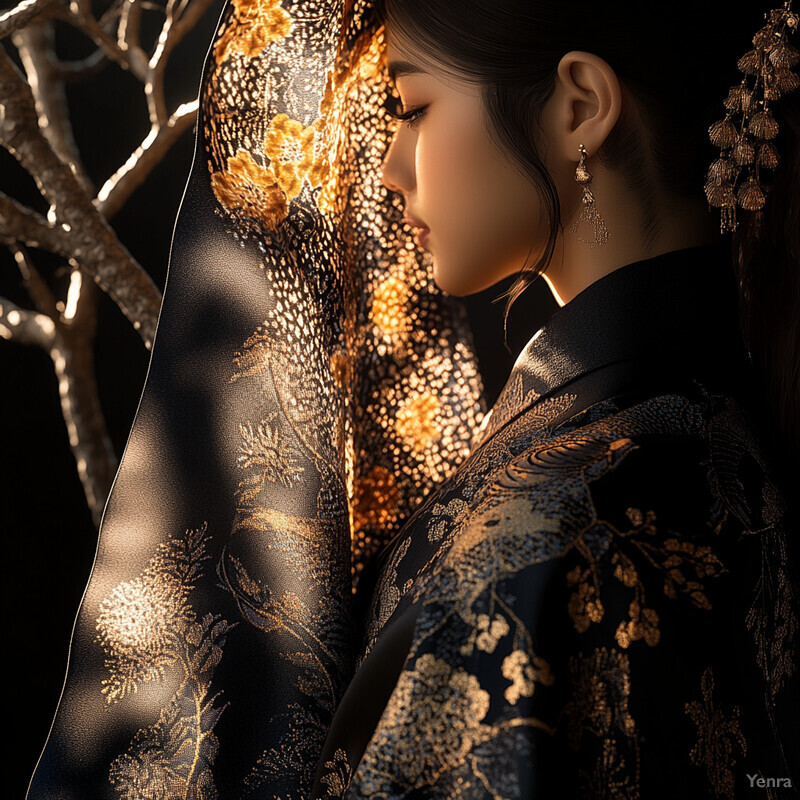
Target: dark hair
678	61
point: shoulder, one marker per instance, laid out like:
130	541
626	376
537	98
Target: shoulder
592	618
627	526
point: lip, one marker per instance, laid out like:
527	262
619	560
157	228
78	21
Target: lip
421	230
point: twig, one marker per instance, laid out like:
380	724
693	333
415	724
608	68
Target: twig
25	327
44	300
36	46
23	13
22	224
93	242
148	155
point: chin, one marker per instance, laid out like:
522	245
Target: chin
462	287
453	281
448	286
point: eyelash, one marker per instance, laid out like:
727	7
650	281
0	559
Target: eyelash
409	117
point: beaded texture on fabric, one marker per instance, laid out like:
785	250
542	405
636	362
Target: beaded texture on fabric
745	136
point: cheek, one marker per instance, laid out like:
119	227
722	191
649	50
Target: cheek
482	213
448	150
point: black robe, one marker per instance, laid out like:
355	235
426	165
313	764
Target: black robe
599	601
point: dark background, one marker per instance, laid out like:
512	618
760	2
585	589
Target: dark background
48	535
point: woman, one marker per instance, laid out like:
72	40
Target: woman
590	592
580	611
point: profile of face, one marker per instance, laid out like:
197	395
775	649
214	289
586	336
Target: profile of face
482	212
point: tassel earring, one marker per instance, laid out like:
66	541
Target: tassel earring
589	214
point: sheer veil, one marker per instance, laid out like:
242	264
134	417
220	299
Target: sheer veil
309	384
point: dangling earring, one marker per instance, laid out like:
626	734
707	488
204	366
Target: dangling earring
589	213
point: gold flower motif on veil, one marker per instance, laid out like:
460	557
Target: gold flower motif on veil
294	151
250	188
256	23
390	307
290	147
418	420
376	499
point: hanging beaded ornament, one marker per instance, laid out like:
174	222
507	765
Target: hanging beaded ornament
746	145
589	213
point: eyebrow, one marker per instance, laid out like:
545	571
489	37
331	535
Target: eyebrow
399	68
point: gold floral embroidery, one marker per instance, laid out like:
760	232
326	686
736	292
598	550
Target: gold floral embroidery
144	622
443	517
270	454
718	736
337	778
611	778
256	22
601	688
290	147
643	624
263	192
680	557
490	631
684	566
307	628
584	606
444	707
250	188
772	618
524	675
292	763
389	307
418	419
137	625
145	626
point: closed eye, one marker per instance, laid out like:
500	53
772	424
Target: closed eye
392	106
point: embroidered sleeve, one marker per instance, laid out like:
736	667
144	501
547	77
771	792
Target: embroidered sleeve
584	637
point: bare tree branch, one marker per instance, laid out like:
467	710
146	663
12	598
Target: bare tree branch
134	60
44	300
81	69
73	362
129	24
93	241
22	224
23	13
25	327
149	154
69	341
176	25
35	128
36	46
186	17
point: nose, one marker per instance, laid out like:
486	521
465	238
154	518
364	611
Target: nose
397	170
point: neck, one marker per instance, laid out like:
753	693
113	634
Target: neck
675	224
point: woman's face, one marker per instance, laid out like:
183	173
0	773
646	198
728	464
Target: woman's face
482	213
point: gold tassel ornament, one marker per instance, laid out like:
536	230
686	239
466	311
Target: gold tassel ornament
745	135
589	213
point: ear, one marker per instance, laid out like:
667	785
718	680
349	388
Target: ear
587	103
